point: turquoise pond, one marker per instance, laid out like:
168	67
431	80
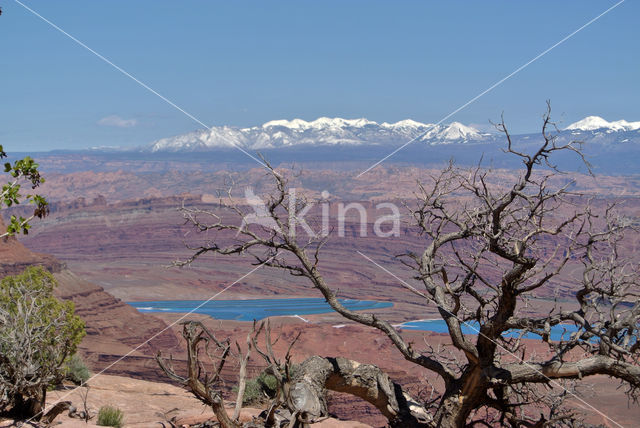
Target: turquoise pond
439	326
250	309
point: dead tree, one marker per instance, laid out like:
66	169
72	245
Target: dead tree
488	249
299	400
200	380
207	356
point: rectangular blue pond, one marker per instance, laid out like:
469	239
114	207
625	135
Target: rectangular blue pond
250	309
440	326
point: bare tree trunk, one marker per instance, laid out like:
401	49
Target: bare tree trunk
30	406
462	397
317	374
53	413
242	375
452	412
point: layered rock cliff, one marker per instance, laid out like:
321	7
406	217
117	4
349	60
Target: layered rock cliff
114	329
15	257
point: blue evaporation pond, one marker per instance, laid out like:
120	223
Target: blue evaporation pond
248	310
440	326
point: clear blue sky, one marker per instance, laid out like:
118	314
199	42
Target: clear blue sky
244	63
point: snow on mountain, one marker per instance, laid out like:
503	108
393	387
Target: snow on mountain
322	131
453	132
406	125
293	124
592	123
326	131
215	137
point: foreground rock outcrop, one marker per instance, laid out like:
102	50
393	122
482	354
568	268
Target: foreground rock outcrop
147	404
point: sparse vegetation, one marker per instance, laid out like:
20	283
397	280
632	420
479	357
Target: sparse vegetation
109	416
260	389
38	334
76	370
23	171
253	392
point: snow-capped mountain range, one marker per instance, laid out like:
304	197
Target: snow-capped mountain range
322	131
593	123
358	132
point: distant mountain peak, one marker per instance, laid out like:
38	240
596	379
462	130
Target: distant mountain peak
321	122
457	130
454	132
407	123
592	123
295	123
321	131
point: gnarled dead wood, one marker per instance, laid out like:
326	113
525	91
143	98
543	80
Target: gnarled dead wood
318	374
198	380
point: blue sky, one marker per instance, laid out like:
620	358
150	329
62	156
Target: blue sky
245	63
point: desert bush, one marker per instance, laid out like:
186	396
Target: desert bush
262	387
109	416
259	389
253	393
76	370
38	333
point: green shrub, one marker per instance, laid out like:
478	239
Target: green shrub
259	389
76	370
252	393
262	387
109	416
37	333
